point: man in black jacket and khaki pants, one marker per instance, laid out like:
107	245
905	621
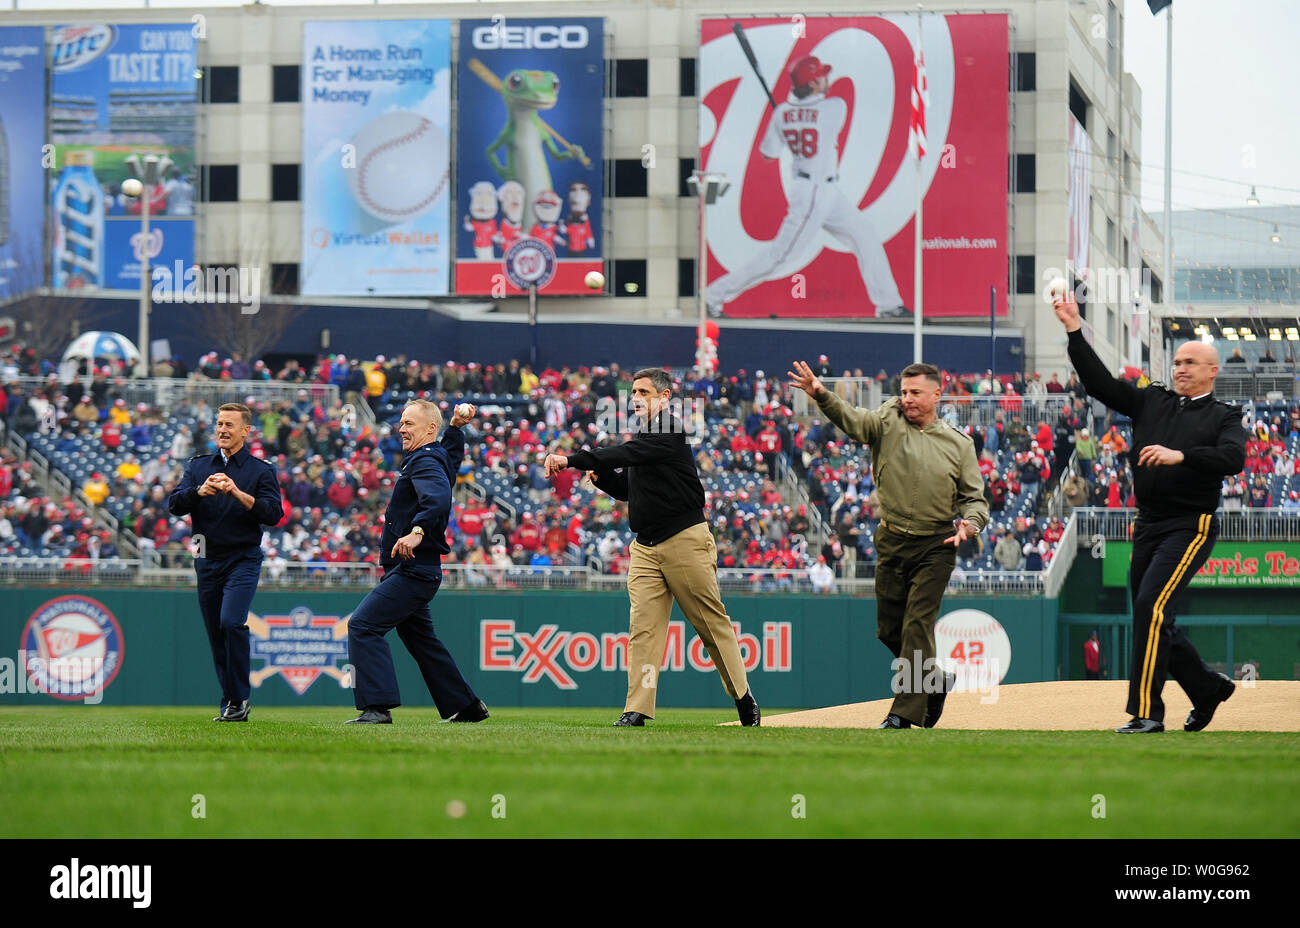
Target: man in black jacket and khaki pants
1184	443
673	555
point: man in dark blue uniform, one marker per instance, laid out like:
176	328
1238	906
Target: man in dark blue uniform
415	538
229	496
1184	443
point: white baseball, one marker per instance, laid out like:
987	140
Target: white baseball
1056	288
595	280
973	645
132	187
464	410
400	168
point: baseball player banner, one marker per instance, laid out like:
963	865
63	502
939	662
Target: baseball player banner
530	161
117	95
376	99
1078	191
808	119
22	133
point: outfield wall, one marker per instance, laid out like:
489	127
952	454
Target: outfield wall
517	649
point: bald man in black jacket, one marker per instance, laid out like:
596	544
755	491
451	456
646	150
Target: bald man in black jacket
1184	443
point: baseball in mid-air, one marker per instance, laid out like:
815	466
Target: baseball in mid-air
132	187
1056	289
464	410
595	280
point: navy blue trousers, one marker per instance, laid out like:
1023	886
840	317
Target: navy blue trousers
401	601
226	589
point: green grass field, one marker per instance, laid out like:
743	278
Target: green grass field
133	772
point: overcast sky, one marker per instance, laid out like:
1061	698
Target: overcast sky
1236	74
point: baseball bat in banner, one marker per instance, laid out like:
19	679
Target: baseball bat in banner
753	62
485	74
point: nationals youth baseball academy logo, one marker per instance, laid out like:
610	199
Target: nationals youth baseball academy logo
529	262
300	647
72	648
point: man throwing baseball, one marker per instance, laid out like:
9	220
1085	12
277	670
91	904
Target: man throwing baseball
673	556
1184	443
808	124
415	538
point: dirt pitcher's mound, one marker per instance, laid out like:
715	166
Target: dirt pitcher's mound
1067	705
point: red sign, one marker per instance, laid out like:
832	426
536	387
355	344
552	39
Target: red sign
819	220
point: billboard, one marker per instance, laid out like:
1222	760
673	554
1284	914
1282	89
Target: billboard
117	94
376	100
819	218
1236	564
1078	193
530	162
22	133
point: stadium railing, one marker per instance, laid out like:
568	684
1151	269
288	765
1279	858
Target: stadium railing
1261	524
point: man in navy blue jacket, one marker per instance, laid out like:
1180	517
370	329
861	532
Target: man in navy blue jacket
415	538
229	496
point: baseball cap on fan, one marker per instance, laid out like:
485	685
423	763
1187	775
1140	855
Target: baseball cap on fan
808	69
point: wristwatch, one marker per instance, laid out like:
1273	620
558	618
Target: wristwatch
416	530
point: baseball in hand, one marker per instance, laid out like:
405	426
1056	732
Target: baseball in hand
132	187
1056	289
464	411
595	280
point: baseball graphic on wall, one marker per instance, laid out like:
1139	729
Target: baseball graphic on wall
401	166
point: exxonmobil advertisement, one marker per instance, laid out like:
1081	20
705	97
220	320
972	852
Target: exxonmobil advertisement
819	218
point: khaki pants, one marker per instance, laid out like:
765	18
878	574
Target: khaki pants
912	572
682	568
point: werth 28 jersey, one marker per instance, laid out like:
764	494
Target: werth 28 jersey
809	128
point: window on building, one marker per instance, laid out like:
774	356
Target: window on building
685	168
1026	181
686	77
286	83
223	84
1112	40
1026	76
1110	236
629	277
220	184
1127	169
284	182
686	277
1078	104
284	279
1025	274
1110	146
629	177
631	77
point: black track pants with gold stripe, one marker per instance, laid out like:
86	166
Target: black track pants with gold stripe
1166	555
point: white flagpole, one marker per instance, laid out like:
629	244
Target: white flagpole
916	274
1167	292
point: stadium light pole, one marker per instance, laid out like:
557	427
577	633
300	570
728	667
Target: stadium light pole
706	187
149	172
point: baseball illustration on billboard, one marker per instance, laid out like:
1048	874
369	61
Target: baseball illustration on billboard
117	95
809	122
529	164
376	177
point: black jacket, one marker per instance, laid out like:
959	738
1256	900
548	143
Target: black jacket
1206	431
226	526
660	484
422	496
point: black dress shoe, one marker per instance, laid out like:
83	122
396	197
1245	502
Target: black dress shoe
1138	726
1200	716
474	712
372	717
894	721
747	708
934	702
236	712
630	720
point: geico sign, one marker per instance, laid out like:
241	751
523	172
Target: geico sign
552	653
500	36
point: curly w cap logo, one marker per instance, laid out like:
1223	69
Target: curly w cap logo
300	647
72	648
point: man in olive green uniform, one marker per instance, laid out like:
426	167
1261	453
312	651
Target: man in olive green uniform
928	482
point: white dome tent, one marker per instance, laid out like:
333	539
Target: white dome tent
90	347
